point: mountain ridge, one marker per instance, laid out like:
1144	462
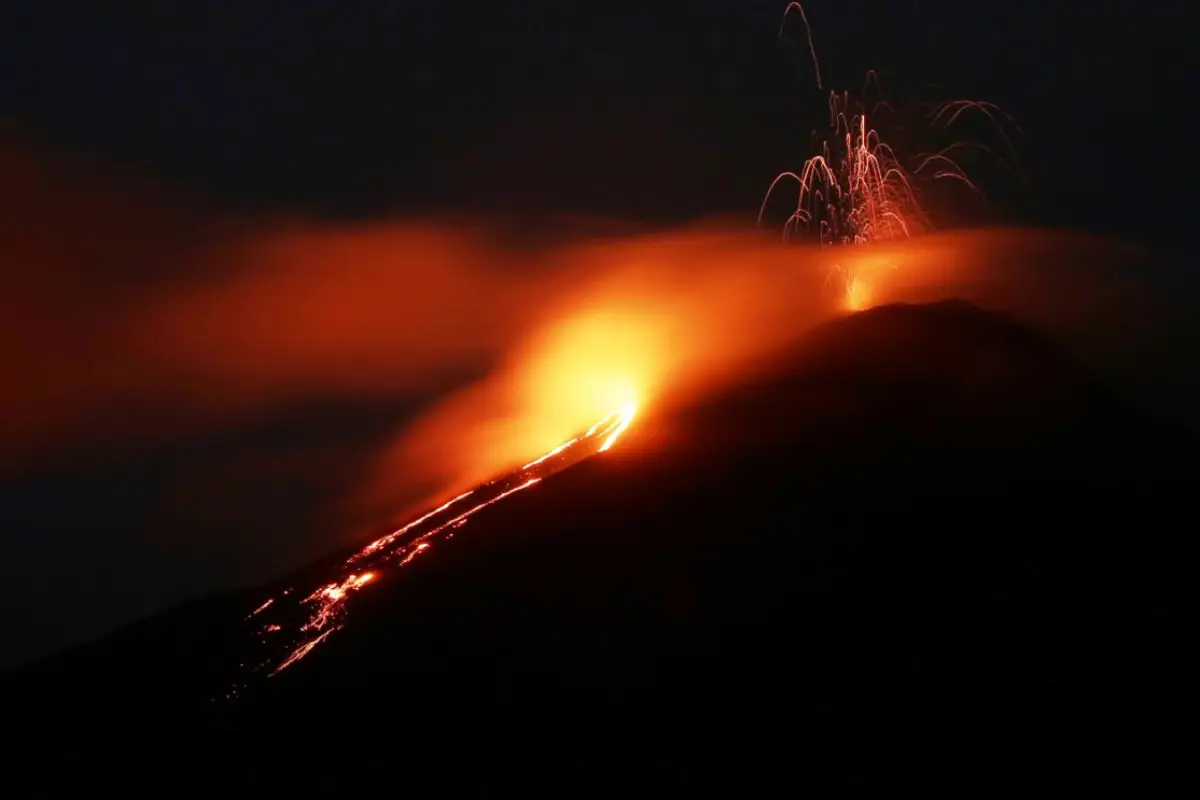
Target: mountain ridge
874	548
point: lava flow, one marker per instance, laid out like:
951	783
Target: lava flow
291	625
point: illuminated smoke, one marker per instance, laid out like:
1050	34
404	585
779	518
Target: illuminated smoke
147	326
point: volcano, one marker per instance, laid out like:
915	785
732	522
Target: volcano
927	550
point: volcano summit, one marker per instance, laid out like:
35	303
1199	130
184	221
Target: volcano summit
932	552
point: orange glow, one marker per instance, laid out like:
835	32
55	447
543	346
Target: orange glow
618	426
862	275
652	317
273	314
562	333
858	295
664	319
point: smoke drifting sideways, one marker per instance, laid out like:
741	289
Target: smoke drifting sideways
133	318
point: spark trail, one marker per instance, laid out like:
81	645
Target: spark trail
291	625
856	190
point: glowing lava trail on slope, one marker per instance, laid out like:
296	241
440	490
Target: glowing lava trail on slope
291	625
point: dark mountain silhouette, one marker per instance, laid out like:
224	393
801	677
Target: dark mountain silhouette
931	554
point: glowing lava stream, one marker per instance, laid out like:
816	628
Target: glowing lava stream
291	630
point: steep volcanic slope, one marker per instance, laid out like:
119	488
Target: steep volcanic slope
929	553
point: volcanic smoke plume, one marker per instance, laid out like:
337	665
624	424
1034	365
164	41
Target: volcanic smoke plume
130	316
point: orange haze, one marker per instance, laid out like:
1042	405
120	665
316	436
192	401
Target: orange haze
151	324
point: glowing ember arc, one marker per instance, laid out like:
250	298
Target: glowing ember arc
854	192
795	6
857	191
322	611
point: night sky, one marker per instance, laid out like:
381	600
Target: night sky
653	112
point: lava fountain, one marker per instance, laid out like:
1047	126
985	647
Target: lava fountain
856	190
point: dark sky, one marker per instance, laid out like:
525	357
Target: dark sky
662	110
658	112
